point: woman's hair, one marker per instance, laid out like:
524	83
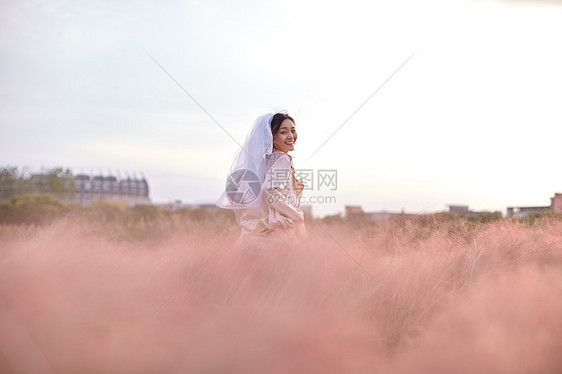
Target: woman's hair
277	120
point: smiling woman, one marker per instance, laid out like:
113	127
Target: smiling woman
262	187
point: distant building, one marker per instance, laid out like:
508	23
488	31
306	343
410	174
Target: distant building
556	202
131	191
465	211
460	209
81	189
523	211
354	212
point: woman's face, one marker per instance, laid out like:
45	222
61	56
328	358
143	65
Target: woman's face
285	138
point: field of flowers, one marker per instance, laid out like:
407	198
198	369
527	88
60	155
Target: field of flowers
115	290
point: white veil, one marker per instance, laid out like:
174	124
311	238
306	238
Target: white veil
244	183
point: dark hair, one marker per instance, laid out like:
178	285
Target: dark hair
277	120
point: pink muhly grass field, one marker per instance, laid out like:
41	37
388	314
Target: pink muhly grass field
487	298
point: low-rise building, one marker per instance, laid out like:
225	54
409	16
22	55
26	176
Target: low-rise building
131	191
523	211
464	210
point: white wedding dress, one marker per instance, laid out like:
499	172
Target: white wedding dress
279	216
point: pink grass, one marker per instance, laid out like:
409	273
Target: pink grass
483	299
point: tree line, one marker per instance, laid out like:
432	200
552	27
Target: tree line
58	182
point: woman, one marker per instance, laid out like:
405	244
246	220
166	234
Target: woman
262	187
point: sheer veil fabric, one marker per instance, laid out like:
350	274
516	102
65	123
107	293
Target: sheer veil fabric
268	212
250	161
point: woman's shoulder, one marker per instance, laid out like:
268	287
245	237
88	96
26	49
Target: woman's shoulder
279	158
278	154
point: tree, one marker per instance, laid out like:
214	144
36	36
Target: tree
57	182
9	179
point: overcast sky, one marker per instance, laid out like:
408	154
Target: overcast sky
474	117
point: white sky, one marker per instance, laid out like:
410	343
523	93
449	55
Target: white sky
473	118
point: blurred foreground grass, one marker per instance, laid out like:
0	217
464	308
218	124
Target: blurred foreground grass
110	288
